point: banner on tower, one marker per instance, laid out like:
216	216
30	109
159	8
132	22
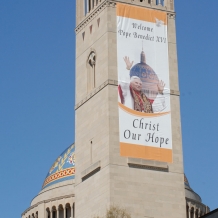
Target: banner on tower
143	83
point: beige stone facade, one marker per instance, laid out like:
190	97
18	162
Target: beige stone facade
144	192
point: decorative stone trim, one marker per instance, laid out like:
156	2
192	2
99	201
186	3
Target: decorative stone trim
94	168
112	3
109	82
147	164
213	213
197	206
171	15
94	13
46	201
174	92
193	203
95	91
69	172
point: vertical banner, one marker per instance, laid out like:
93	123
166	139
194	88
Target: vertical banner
143	89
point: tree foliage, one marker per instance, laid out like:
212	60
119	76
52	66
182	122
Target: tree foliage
116	212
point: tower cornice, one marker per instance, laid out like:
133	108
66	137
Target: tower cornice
112	3
103	85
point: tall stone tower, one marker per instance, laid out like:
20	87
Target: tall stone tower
147	179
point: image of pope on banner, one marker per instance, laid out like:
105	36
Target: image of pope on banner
141	90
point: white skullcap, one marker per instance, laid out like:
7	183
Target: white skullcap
133	78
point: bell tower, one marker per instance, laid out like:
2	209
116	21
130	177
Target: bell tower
146	179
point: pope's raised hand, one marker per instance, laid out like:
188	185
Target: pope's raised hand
161	86
128	63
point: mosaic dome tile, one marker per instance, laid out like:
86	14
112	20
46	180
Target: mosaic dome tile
62	169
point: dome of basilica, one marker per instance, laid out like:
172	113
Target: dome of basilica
57	195
62	169
189	193
194	205
144	71
148	77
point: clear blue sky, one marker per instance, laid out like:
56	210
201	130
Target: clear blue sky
37	65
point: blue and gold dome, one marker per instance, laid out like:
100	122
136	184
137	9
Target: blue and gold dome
62	169
148	77
144	71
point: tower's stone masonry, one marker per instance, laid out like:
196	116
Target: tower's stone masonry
103	177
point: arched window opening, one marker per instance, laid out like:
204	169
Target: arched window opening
73	210
187	211
196	214
68	210
192	212
88	6
160	2
54	212
91	71
37	214
60	211
48	213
